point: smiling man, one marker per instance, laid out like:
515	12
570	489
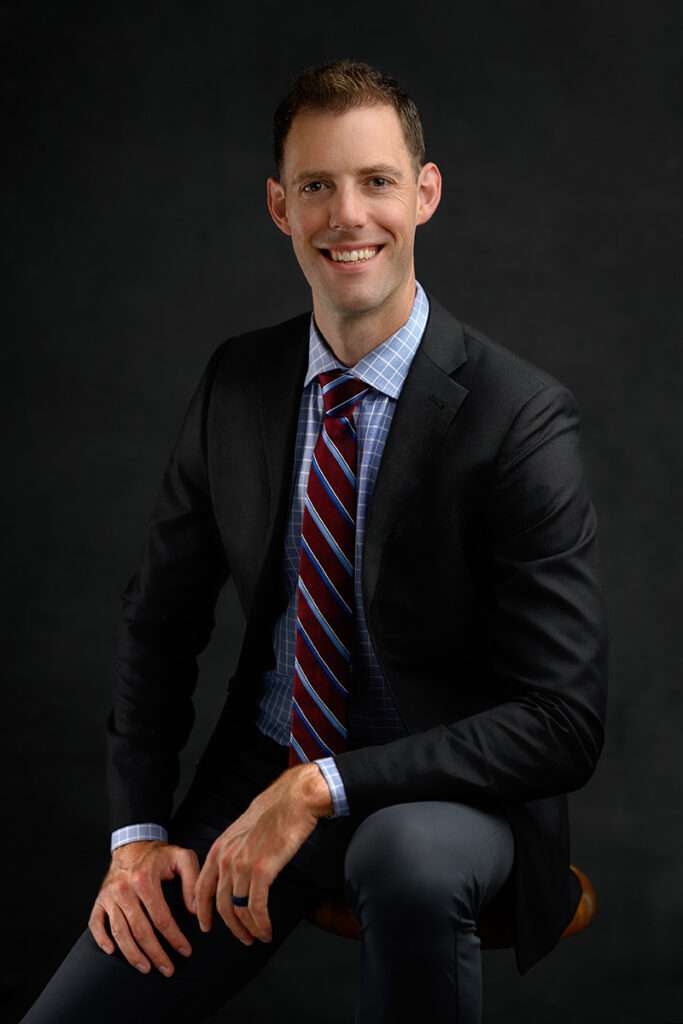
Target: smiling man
350	194
401	504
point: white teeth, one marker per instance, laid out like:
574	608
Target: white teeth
352	255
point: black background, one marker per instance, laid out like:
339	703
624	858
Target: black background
137	238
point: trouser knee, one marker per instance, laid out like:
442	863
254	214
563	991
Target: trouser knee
404	862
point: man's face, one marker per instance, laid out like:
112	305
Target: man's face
350	201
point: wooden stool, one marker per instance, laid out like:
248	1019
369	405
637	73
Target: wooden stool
495	927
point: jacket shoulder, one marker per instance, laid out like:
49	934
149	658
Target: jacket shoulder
251	348
481	364
501	371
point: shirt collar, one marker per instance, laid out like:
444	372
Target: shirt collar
386	366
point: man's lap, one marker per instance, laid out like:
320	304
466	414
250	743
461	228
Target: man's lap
92	985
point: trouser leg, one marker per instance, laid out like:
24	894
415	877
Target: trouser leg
94	987
418	876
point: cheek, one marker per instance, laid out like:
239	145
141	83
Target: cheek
300	246
302	236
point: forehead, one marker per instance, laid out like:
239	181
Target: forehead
363	136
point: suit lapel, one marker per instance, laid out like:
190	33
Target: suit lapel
282	383
428	402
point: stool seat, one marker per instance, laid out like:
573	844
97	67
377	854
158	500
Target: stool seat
334	915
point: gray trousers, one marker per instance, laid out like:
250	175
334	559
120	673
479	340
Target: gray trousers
417	875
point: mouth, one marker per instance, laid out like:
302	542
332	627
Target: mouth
347	258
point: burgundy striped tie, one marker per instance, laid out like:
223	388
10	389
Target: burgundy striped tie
325	587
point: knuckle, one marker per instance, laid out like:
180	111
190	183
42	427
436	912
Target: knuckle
231	923
152	949
139	926
131	915
147	939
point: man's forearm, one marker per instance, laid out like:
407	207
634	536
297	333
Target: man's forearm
316	791
318	794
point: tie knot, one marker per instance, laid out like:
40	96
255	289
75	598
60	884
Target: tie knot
341	392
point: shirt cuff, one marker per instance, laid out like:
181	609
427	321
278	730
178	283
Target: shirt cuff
133	833
340	804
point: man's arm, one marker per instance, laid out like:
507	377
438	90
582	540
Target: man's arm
168	617
546	648
148	830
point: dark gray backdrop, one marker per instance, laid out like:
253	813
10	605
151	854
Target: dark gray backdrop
137	238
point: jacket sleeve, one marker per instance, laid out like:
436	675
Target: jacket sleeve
545	640
168	616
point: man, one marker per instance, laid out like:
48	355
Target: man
401	504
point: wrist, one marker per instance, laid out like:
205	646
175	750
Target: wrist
316	792
133	849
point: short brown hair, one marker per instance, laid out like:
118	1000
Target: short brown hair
338	87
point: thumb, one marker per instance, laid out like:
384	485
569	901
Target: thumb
187	866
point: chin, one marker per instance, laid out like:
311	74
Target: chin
356	306
358	299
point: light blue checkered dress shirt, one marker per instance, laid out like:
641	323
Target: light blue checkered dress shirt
373	716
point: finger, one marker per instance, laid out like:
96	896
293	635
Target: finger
258	905
98	930
246	915
150	892
187	864
124	940
204	891
232	915
142	933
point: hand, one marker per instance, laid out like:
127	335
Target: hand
248	856
132	882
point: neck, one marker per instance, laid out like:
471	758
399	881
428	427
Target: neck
352	335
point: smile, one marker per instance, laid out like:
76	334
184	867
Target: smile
351	255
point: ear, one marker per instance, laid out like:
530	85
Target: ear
276	202
428	191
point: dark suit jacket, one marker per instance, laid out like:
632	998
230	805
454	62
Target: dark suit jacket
480	583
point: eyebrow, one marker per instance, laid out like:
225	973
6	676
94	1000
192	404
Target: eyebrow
362	172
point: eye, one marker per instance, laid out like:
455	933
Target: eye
311	188
382	181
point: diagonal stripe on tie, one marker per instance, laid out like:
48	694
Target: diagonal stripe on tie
322	526
319	656
335	638
325	586
327	711
336	499
315	665
324	575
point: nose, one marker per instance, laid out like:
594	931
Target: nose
347	209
